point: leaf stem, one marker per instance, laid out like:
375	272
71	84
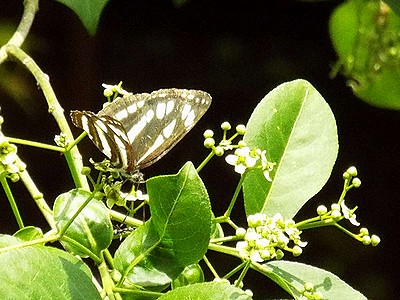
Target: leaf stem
234	197
205	161
11	200
36	144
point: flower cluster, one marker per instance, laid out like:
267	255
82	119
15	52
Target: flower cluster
113	90
340	211
9	162
244	157
266	238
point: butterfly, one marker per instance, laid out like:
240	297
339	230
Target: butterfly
136	130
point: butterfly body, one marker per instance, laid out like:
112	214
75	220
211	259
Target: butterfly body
136	130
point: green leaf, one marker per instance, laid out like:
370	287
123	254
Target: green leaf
180	225
296	127
365	34
181	213
29	233
395	5
88	11
149	272
46	273
91	229
190	275
292	275
206	291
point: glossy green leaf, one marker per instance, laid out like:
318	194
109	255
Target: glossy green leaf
365	34
395	5
146	273
207	291
180	225
46	273
92	228
292	275
190	275
88	11
181	213
296	127
29	233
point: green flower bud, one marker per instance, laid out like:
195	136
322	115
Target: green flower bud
279	254
364	231
14	177
208	133
375	240
336	215
242	144
241	129
85	171
219	151
346	175
209	142
321	210
335	206
108	92
352	171
226	126
240	285
308	286
366	240
240	232
356	182
249	292
297	250
1	120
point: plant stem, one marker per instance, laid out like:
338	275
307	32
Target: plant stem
11	200
38	198
234	197
35	144
19	36
75	163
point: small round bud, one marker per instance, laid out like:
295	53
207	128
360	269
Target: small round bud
1	120
336	214
352	171
219	151
308	286
226	126
356	182
346	175
364	231
240	285
366	240
85	171
279	254
265	254
375	240
335	206
321	210
240	232
108	92
297	250
249	293
241	129
221	280
14	177
209	142
208	133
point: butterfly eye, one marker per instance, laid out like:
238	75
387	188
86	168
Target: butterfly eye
135	131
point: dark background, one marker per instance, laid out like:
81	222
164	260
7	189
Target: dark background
237	51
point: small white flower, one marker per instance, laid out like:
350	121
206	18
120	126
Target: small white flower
349	214
242	159
115	88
